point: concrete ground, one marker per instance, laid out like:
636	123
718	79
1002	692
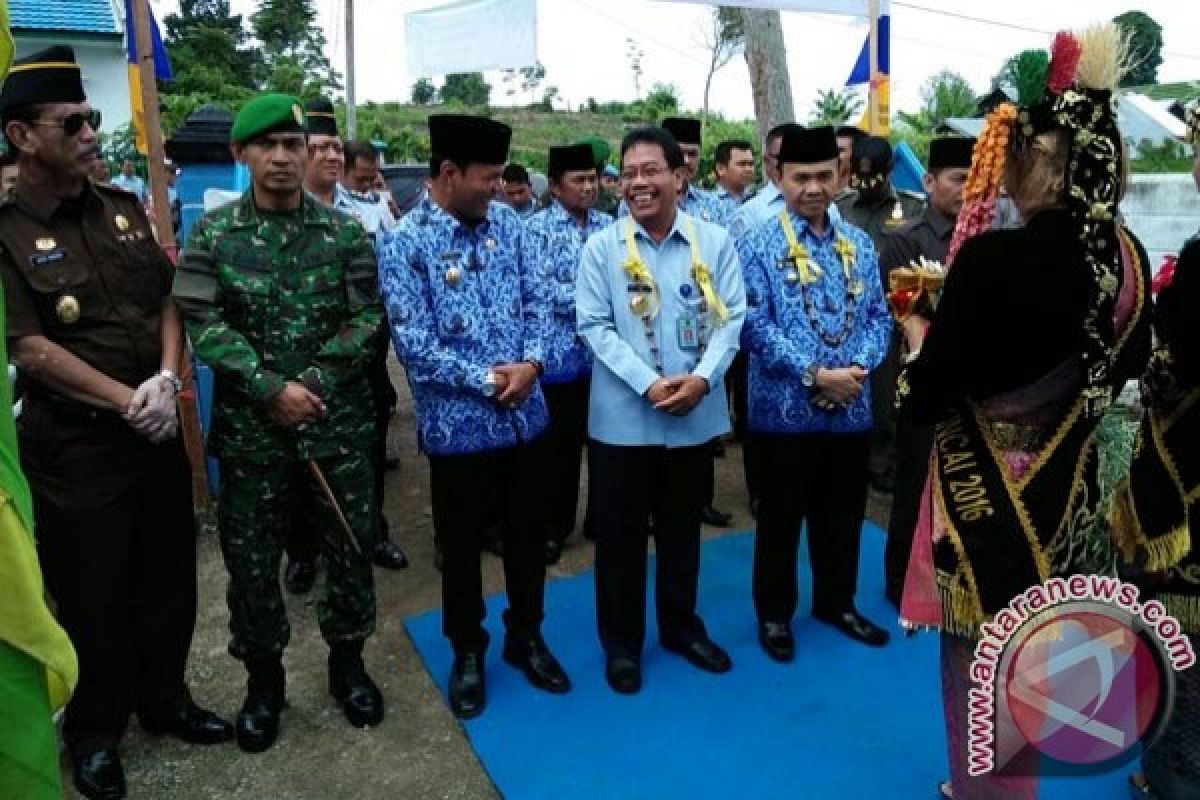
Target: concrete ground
420	752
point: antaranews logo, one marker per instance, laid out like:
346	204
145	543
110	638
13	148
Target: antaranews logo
1077	669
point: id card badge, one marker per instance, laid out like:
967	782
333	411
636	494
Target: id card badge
688	329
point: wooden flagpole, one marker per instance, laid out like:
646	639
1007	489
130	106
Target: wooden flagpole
189	416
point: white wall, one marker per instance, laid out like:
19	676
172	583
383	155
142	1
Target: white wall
1164	212
105	76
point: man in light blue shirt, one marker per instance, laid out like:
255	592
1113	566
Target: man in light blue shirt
556	237
660	302
693	200
816	327
130	181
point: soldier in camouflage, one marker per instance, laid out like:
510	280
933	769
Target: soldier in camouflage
280	297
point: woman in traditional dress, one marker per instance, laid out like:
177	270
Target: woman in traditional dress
1036	330
1157	511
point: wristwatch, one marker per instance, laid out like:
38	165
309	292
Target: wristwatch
489	384
172	379
809	378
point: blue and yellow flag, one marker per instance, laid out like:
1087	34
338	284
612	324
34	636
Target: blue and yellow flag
162	71
881	81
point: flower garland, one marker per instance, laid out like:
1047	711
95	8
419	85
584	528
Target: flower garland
988	162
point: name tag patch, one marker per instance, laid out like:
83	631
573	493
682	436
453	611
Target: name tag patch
46	259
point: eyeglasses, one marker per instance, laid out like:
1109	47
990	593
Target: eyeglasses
72	124
649	172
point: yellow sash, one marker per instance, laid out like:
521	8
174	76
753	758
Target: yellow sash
808	269
648	305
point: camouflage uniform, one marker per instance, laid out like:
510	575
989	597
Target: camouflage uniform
269	298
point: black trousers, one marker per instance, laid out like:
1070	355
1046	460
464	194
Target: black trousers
117	544
458	484
737	379
883	413
568	403
384	397
630	485
913	445
819	480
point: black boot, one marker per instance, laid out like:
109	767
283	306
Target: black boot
258	721
351	686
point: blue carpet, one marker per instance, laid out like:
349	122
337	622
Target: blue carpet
843	721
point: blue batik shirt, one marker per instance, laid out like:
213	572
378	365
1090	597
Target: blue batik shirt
461	300
766	204
780	339
556	244
729	204
629	355
695	202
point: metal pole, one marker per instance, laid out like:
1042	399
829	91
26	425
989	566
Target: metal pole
351	110
873	54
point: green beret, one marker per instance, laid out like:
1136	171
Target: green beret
268	113
601	149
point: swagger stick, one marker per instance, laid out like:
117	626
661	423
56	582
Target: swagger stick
337	509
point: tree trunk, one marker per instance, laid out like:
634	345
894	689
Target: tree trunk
767	61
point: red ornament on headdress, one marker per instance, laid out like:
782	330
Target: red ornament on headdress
1165	275
1064	62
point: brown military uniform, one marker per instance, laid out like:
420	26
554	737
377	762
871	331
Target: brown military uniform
115	530
929	237
878	218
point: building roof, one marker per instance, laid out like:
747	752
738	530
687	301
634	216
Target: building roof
69	16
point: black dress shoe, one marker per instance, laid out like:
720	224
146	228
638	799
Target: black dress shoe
857	627
468	690
350	685
541	668
777	640
624	675
718	519
99	775
703	654
300	576
191	724
554	551
387	554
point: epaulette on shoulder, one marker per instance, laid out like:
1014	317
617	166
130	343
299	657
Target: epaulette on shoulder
845	194
911	195
115	190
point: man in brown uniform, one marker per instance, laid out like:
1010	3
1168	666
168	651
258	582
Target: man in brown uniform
927	237
877	207
92	326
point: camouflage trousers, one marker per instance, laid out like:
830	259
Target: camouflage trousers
256	506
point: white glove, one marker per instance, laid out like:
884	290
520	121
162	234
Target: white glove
152	412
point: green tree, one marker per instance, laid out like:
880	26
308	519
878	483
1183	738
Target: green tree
294	46
466	89
946	94
209	49
663	99
423	92
1145	47
835	107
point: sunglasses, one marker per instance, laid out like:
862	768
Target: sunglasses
72	124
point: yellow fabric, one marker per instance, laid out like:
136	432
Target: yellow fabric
138	108
6	41
639	273
808	269
703	278
25	621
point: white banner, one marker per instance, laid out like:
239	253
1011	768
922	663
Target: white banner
471	36
848	8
